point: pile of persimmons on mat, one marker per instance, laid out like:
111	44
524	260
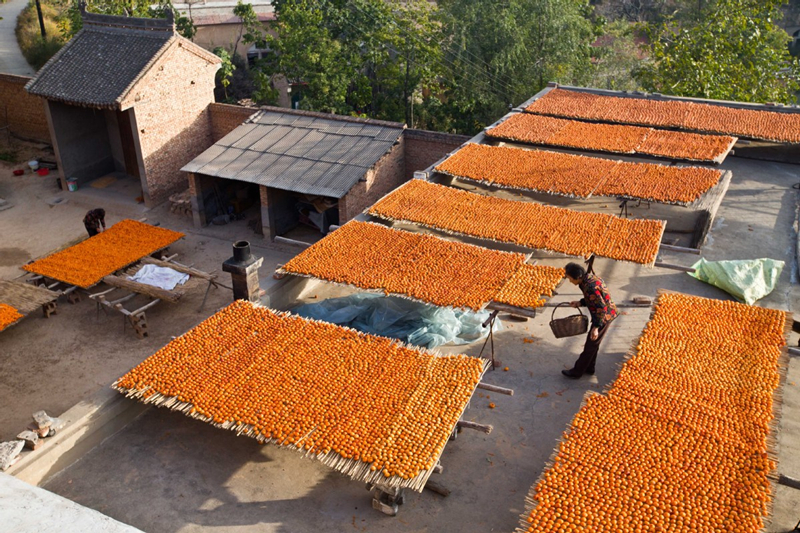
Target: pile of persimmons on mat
528	224
422	267
614	138
8	315
89	261
682	441
529	284
578	176
723	119
313	386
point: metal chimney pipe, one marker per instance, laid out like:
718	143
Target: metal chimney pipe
244	272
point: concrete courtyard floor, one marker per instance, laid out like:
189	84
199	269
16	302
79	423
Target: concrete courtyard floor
167	473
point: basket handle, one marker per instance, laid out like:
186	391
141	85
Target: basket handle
559	305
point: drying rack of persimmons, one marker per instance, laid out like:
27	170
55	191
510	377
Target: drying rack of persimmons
684	439
18	299
372	408
582	177
529	225
758	122
624	139
79	267
123	290
426	268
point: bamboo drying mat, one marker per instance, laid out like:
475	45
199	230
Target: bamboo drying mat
355	469
531	501
25	297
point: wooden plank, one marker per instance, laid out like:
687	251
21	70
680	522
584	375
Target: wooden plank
141	288
485	428
504	308
438	489
789	482
620	305
495	388
124	299
674	267
144	308
679	249
293	242
178	267
25	297
103	293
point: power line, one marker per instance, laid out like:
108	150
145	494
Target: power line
451	66
506	86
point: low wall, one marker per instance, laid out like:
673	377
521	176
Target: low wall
22	112
225	118
424	148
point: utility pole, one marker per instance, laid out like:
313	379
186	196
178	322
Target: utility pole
41	19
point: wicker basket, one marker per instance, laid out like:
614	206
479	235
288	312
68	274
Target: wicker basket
569	326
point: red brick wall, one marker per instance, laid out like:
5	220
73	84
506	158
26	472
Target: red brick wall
225	118
387	174
26	116
424	148
172	118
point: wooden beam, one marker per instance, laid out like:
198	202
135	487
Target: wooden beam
122	300
179	268
674	267
680	249
622	305
293	242
141	288
438	489
504	308
144	308
474	425
98	294
789	482
495	388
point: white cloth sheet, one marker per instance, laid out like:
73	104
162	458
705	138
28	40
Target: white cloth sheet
162	277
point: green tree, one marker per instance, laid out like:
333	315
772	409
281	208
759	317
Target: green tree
365	57
734	51
618	54
501	53
454	65
251	30
226	70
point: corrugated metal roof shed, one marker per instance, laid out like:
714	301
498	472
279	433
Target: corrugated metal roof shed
305	154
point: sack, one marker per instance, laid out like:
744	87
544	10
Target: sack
569	326
748	280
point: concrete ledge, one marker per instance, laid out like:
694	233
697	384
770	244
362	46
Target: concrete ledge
281	294
30	509
88	424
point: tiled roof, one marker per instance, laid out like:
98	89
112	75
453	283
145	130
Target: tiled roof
300	152
100	65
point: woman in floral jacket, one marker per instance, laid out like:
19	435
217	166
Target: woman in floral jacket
602	310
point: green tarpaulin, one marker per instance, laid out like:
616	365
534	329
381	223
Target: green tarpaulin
748	280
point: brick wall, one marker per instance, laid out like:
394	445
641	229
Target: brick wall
225	118
387	174
424	148
26	115
172	118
